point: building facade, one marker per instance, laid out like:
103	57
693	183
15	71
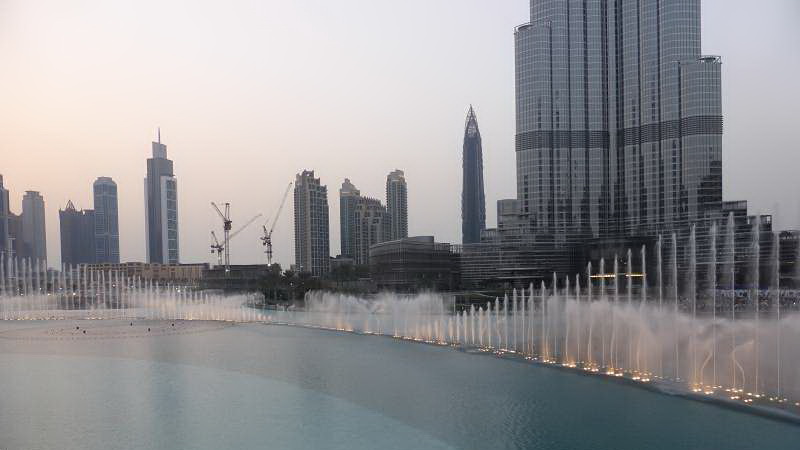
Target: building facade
372	226
618	140
311	232
190	274
473	201
414	264
161	208
34	238
364	222
619	119
15	235
77	235
106	213
5	210
348	198
397	204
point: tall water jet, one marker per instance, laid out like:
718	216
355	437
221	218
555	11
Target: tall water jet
754	298
693	299
677	304
775	300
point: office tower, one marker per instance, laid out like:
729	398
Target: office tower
106	234
473	202
619	123
15	234
397	204
372	226
77	235
161	207
5	239
311	238
34	240
348	198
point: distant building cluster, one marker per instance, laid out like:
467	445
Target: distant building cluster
23	235
91	236
364	221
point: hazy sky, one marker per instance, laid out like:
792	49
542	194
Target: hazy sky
248	93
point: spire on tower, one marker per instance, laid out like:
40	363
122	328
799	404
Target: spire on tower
471	126
159	134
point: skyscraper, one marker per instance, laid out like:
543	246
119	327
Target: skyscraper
397	204
619	122
348	198
473	202
5	239
311	235
34	239
106	233
371	227
161	207
364	222
77	235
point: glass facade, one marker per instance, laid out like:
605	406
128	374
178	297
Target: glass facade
5	240
34	238
619	122
77	235
161	208
473	202
106	234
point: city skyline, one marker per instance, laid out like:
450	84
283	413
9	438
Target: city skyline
126	145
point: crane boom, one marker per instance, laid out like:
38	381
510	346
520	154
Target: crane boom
247	224
216	208
267	238
280	208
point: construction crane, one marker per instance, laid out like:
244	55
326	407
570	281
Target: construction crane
226	230
224	247
266	240
217	248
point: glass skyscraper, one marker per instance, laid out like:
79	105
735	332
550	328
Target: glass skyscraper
34	238
161	207
77	235
5	238
473	202
106	233
619	119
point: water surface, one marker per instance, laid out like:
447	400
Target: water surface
257	386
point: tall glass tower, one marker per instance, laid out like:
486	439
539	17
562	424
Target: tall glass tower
619	118
5	238
161	207
34	238
473	202
106	233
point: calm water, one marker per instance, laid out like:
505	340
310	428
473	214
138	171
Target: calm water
255	386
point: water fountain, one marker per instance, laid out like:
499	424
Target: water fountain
707	343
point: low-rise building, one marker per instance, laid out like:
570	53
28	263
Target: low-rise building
414	264
190	274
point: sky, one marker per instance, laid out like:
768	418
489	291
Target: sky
249	93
